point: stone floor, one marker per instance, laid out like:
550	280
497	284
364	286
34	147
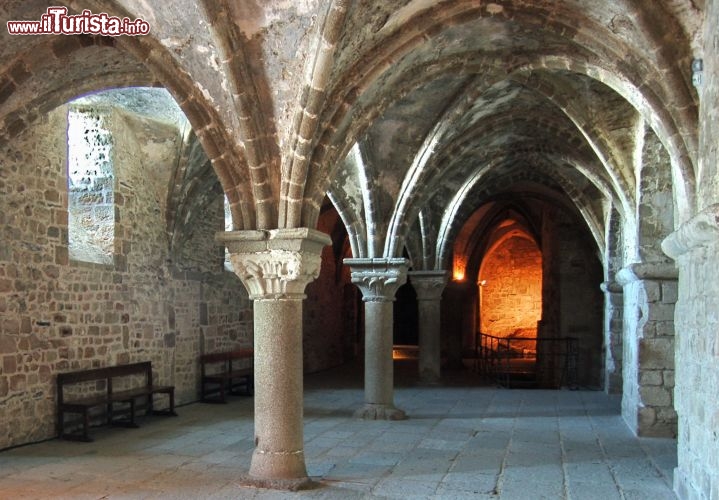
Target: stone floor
461	441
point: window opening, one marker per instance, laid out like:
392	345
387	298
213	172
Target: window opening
91	180
228	227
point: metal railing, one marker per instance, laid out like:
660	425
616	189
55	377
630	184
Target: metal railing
507	360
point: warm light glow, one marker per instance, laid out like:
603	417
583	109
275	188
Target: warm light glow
405	352
510	297
459	268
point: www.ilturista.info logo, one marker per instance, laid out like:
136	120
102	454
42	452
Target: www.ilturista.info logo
56	21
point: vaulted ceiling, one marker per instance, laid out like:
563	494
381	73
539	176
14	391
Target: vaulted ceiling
409	114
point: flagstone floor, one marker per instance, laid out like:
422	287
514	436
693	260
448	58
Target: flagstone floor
461	441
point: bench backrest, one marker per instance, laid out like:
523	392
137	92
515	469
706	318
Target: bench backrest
219	357
106	373
226	357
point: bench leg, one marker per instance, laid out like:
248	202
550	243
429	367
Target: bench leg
128	422
170	411
86	425
219	399
243	387
83	436
132	412
61	423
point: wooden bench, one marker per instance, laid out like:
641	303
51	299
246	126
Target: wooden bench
220	376
103	396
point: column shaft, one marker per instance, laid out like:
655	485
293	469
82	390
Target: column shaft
379	279
429	340
275	266
278	397
379	366
429	286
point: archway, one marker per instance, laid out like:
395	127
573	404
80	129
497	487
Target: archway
510	292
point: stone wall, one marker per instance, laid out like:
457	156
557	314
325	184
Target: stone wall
511	288
613	305
61	315
572	300
613	326
650	292
581	298
697	339
324	334
697	374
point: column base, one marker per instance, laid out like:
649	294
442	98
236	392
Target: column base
380	412
429	377
278	468
298	484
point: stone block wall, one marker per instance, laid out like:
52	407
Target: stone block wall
697	323
613	326
571	299
511	294
323	329
697	375
648	341
58	314
331	308
580	276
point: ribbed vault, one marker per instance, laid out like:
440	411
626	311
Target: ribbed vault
279	95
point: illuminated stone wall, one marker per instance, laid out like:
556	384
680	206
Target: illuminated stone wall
511	288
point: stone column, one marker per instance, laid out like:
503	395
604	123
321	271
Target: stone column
459	321
275	266
695	247
650	293
613	312
429	286
379	279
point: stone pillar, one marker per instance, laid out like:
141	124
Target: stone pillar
379	279
695	247
613	312
650	292
460	320
275	266
429	286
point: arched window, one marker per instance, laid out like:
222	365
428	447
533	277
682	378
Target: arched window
91	183
228	227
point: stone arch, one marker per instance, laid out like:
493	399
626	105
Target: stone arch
681	144
484	233
244	186
595	40
486	188
197	111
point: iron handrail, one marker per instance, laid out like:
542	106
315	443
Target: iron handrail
494	355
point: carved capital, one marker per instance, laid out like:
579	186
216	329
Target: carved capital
378	279
275	264
700	230
611	287
647	271
429	285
